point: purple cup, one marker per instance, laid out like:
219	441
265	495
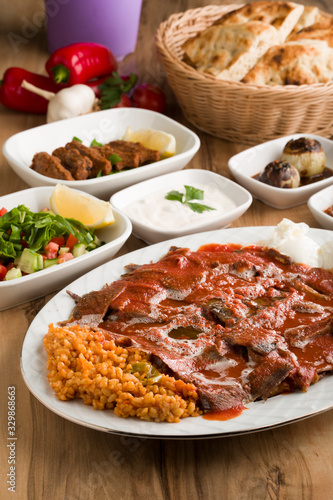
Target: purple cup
113	23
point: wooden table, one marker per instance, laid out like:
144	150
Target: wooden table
56	459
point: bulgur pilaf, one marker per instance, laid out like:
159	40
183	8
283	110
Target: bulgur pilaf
83	364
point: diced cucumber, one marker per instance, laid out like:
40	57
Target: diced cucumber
13	273
79	249
30	262
63	250
94	244
50	262
40	261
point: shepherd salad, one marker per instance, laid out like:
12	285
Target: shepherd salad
32	241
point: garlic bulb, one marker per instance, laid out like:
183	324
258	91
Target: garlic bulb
280	174
306	155
68	102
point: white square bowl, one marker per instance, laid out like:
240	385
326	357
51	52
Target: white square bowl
252	161
31	286
319	202
103	126
216	184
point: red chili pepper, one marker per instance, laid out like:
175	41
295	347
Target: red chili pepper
14	96
80	62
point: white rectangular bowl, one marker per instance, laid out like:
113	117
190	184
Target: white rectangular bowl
103	126
192	177
31	286
252	161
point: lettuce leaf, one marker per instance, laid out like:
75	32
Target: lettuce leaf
36	229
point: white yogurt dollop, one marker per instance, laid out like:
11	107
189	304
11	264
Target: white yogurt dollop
156	211
291	239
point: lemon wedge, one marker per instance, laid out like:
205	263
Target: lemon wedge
153	139
88	209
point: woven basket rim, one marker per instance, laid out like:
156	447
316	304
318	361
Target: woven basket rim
189	72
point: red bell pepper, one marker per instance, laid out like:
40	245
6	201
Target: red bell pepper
14	96
80	62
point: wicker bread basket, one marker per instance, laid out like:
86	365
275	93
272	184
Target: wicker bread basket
238	112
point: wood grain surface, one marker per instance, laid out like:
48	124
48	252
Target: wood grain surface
56	459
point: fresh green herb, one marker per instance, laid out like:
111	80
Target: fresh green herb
99	173
76	139
191	193
199	207
95	143
20	227
113	87
175	196
114	158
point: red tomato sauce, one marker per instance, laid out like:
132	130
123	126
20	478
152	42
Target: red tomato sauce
241	324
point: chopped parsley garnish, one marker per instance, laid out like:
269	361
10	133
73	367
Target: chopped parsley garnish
191	193
114	158
95	143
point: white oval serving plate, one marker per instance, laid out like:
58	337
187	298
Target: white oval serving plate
258	416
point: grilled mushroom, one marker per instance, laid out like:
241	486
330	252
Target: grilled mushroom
280	174
306	155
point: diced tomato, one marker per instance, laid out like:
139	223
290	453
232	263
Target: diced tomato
71	241
10	266
51	250
22	241
3	272
64	257
3	211
59	240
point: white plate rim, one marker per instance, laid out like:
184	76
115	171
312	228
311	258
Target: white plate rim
259	416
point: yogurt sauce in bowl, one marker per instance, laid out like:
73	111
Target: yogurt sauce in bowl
155	218
155	211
